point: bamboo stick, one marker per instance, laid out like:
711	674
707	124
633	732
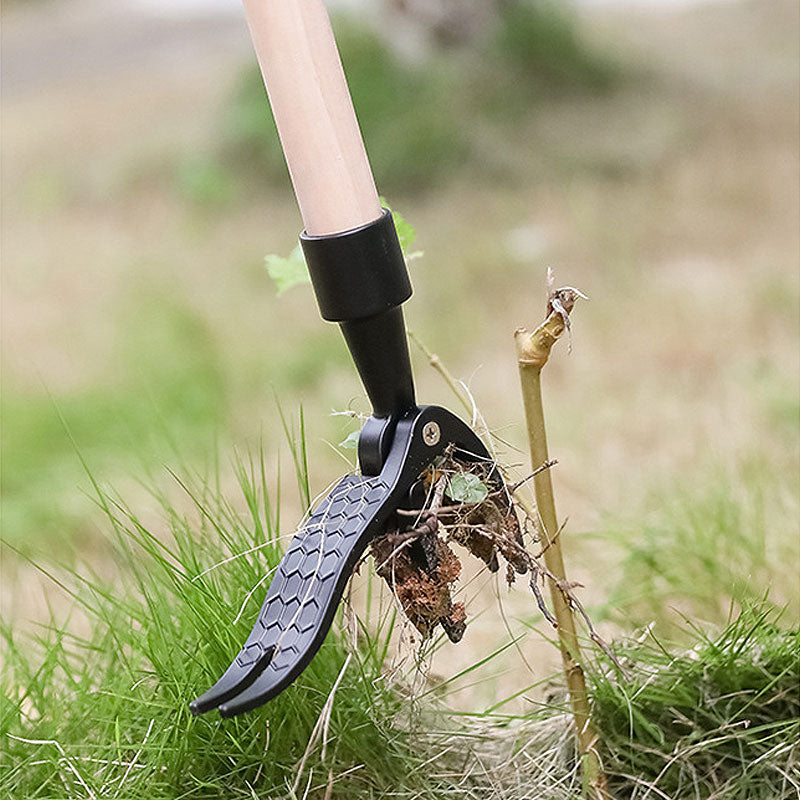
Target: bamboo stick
533	351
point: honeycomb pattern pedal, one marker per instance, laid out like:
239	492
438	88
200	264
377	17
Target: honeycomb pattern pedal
311	577
303	596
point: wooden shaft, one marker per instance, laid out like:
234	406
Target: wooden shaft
314	113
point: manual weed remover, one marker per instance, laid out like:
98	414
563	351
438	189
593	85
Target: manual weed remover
360	281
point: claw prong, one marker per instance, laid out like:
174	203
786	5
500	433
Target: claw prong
231	683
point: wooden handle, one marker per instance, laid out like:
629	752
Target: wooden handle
314	113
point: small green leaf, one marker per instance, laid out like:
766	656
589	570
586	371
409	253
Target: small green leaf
287	272
351	442
467	488
405	232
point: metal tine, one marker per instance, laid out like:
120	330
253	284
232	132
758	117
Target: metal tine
235	679
302	598
268	684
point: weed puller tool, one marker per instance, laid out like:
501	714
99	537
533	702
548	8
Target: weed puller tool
360	281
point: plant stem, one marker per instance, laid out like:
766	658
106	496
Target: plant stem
438	365
533	350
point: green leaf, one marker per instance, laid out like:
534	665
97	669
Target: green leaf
351	442
287	272
467	488
405	232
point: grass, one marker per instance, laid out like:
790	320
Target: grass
719	719
97	705
168	386
95	702
715	716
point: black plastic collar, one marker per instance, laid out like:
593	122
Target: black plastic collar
357	273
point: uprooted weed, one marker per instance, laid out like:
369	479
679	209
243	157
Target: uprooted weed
467	503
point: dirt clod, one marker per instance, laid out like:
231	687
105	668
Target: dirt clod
417	561
421	568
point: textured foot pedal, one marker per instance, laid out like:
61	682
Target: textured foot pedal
312	575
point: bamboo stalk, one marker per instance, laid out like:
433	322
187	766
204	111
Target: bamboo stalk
533	351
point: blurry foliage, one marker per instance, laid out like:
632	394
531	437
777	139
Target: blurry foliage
303	366
418	120
204	181
541	45
779	396
407	118
726	540
169	387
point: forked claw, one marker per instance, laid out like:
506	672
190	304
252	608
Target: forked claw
313	573
302	598
235	680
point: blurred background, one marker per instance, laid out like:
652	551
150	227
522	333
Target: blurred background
646	151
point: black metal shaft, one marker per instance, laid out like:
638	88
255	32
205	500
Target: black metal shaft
360	280
379	348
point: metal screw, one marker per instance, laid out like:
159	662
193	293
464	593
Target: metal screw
431	433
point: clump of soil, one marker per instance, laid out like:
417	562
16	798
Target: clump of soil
415	556
421	569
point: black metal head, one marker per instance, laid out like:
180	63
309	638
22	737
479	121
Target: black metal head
360	280
311	578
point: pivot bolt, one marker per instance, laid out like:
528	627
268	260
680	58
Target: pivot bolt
431	433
